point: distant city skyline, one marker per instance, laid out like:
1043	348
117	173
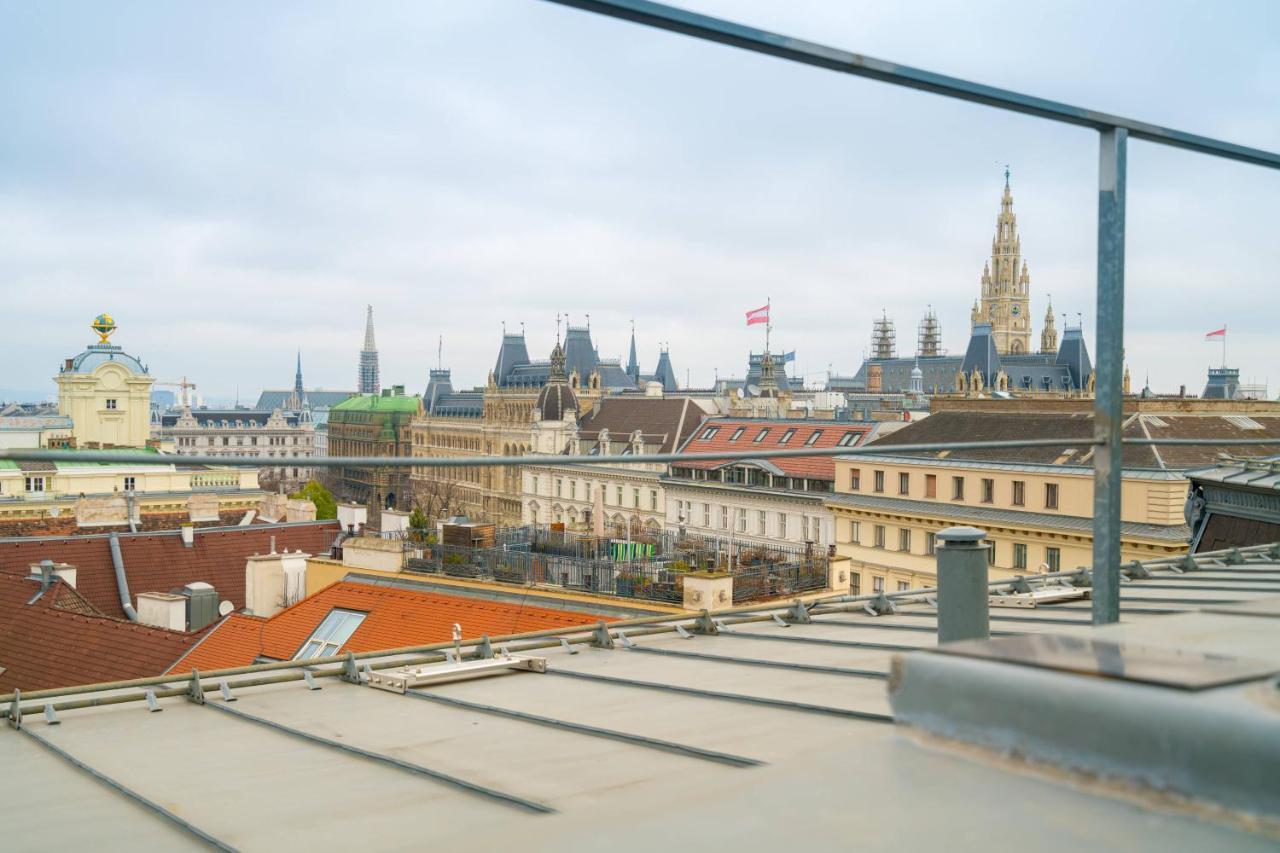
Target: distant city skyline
238	183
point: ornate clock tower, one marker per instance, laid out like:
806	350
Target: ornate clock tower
1006	285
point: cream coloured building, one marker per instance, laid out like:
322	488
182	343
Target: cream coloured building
1036	504
107	394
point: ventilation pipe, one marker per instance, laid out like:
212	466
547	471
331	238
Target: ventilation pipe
131	502
122	583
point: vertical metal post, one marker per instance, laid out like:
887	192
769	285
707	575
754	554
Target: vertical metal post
962	585
1107	405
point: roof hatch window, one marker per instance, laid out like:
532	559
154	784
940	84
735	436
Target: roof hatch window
332	634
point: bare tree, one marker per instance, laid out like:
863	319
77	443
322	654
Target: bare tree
437	498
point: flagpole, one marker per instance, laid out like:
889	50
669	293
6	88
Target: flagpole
1224	345
768	321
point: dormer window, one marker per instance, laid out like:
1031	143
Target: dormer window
737	433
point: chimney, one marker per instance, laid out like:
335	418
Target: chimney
46	571
273	582
163	610
188	535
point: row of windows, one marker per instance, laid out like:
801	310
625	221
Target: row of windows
987	486
879	536
847	440
612	497
757	522
272	441
877	584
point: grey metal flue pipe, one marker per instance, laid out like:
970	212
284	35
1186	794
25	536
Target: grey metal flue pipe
122	583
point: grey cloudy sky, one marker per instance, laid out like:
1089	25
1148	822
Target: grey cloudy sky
236	180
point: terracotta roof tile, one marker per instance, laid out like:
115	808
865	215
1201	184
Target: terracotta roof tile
57	641
158	562
830	434
396	617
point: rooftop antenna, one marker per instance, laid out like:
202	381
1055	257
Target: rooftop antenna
522	328
588	322
440	353
558	328
1006	176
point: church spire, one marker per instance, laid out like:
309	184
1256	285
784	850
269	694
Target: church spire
297	377
369	381
1049	337
1006	283
633	364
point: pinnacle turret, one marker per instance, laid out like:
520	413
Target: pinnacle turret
369	380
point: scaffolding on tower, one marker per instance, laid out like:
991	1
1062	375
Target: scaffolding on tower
884	339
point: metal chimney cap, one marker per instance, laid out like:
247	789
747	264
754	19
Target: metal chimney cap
962	535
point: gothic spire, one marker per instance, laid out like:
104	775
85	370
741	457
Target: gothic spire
633	364
297	377
369	381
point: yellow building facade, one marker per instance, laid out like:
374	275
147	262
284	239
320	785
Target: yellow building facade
107	393
889	509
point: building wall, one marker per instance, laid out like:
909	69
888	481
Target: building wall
370	433
565	494
272	442
92	479
110	406
752	514
1155	502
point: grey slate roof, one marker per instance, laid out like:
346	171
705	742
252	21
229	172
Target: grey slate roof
215	417
278	399
97	354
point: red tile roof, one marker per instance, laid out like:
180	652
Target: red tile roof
396	618
158	562
60	640
816	467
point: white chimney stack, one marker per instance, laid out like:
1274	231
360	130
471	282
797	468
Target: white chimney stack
188	535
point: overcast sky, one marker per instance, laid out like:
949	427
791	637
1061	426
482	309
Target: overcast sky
235	181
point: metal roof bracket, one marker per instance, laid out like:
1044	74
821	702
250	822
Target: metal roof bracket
601	638
1186	564
682	633
50	715
705	624
880	606
310	680
1082	577
153	705
1019	584
799	614
15	709
1135	571
625	640
225	689
484	651
568	646
195	693
406	677
1235	558
350	672
778	619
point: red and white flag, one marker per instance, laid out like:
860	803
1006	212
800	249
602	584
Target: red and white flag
1220	333
759	315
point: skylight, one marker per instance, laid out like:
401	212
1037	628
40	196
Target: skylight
737	433
786	436
847	439
1242	421
709	433
760	435
331	634
813	439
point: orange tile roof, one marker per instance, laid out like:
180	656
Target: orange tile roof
815	468
396	617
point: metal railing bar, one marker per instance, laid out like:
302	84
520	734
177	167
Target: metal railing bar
761	662
883	626
1213	588
1009	618
783	704
592	731
130	456
821	641
1158	600
733	34
400	764
120	788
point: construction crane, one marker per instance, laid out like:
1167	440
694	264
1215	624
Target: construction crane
184	385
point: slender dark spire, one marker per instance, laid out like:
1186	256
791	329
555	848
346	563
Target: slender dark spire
633	364
369	381
297	377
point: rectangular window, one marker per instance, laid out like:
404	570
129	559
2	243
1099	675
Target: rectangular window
879	536
559	485
760	435
617	494
111	403
904	483
855	583
878	480
737	433
904	540
332	633
847	440
35	484
931	544
957	488
706	515
534	482
1019	493
813	439
573	490
653	499
762	523
855	532
855	479
724	518
786	436
130	483
988	490
1019	555
635	498
782	525
709	433
1053	559
742	520
903	586
877	585
1050	495
930	485
991	552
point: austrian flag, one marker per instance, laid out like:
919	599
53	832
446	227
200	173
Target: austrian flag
1220	333
759	315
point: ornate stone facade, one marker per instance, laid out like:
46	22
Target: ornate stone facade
1005	302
